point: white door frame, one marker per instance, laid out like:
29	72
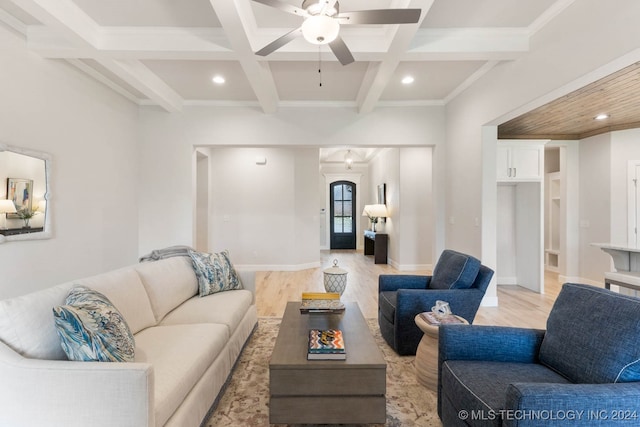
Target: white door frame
632	203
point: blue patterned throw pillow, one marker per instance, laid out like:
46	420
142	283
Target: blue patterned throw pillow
92	329
215	272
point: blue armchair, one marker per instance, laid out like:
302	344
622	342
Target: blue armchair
458	279
584	370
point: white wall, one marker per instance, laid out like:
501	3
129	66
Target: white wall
166	155
90	132
557	62
416	209
625	147
385	169
595	206
408	175
266	215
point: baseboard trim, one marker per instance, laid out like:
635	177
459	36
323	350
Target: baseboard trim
489	301
508	280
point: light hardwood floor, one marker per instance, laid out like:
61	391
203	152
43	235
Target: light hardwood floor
517	306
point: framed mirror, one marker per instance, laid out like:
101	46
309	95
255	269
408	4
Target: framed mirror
382	194
25	182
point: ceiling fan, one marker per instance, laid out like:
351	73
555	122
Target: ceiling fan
322	20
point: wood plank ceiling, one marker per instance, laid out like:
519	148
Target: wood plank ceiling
573	115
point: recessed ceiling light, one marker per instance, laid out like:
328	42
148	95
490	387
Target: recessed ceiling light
407	80
602	116
218	80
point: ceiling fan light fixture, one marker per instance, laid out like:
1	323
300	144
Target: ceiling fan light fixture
320	29
348	160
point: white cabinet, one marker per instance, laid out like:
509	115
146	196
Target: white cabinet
520	161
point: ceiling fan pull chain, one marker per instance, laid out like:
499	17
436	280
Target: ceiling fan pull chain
319	66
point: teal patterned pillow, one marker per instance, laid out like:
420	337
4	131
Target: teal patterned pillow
92	329
215	272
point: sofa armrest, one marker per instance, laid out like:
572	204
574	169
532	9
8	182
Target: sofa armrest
393	282
37	392
248	279
577	404
489	343
463	302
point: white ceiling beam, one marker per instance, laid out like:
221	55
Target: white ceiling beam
212	44
236	19
104	80
135	72
13	22
378	75
64	18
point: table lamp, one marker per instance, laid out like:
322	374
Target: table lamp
374	212
6	206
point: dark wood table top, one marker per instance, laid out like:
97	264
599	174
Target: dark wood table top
290	350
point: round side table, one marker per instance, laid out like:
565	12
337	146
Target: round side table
426	361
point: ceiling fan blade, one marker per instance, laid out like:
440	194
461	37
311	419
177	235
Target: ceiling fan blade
341	51
284	7
279	42
380	16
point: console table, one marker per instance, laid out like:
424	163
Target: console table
14	231
376	244
627	263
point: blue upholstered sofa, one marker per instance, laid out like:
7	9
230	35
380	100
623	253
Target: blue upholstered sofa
584	370
458	279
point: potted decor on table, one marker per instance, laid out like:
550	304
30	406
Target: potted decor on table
26	214
375	212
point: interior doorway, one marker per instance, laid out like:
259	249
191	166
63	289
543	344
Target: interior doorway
342	215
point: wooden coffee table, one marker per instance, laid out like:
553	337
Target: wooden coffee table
347	391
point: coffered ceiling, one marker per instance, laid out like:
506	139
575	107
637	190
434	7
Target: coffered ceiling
165	53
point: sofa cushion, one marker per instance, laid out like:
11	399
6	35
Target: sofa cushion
480	386
227	308
593	336
215	272
454	270
92	329
180	355
168	282
125	290
26	324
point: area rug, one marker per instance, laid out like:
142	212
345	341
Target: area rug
245	401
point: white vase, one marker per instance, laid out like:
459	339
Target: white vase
335	279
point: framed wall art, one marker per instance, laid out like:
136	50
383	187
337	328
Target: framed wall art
20	192
382	197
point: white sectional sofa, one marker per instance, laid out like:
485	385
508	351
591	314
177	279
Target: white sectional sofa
185	347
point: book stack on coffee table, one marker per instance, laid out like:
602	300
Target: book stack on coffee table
326	344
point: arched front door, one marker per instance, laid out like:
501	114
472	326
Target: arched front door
343	220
